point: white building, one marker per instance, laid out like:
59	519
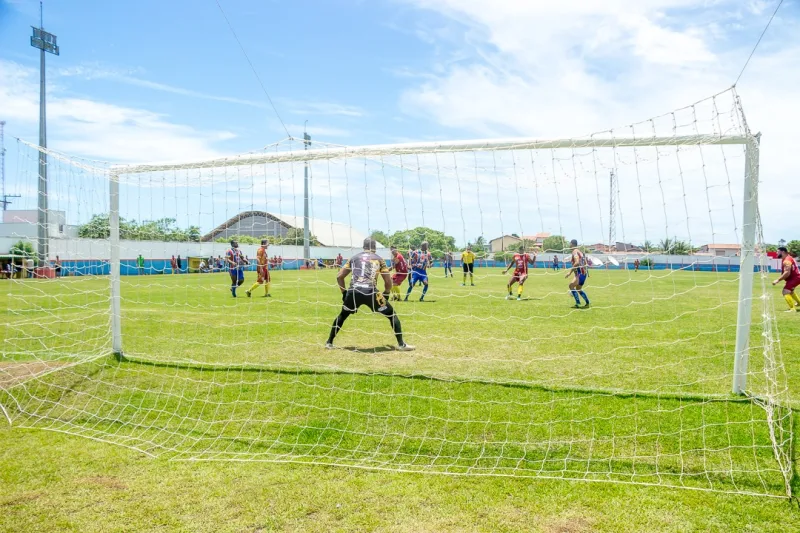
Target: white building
721	250
24	224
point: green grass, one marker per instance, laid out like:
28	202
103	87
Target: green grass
634	389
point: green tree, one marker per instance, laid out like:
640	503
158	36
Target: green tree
555	243
412	238
381	237
296	236
794	247
163	229
480	242
96	228
648	246
771	248
23	250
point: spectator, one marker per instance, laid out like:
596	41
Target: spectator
140	265
339	261
180	264
203	266
173	263
57	266
555	262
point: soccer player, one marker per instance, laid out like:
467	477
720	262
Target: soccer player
400	267
420	261
262	268
555	263
636	265
448	263
520	263
790	273
468	264
366	267
579	271
235	261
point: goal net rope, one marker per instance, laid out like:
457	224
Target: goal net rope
133	337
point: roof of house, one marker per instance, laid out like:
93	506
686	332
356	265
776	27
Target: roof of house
536	236
328	233
505	237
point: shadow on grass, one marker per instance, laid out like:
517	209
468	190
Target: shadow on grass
200	367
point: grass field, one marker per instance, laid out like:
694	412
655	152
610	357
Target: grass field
634	389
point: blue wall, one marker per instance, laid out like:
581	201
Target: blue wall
97	267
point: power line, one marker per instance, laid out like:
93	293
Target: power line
758	42
254	69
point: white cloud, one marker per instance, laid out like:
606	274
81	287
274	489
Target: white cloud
566	69
100	130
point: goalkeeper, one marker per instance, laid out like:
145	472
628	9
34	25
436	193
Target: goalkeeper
365	268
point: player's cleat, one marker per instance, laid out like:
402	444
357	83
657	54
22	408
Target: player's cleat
577	306
509	297
519	298
586	306
789	311
329	346
406	348
267	296
463	284
248	293
405	299
422	299
471	284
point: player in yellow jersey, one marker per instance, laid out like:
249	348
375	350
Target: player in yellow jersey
262	267
468	264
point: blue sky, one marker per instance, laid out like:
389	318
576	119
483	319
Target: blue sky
148	80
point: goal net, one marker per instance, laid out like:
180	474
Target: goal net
671	376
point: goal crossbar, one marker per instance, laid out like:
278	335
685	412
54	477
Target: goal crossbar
378	150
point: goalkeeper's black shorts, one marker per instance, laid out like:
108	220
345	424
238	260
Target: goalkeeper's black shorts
352	299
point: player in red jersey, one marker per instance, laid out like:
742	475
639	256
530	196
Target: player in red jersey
790	273
400	267
520	263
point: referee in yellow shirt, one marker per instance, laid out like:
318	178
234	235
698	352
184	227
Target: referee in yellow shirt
468	263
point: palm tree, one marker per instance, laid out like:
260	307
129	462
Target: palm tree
666	245
647	246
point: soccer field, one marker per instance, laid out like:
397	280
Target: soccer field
634	389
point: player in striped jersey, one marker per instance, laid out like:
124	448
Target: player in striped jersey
520	263
580	272
420	261
235	261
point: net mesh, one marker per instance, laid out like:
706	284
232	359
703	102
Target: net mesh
635	388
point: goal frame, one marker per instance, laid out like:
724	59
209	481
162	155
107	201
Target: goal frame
749	203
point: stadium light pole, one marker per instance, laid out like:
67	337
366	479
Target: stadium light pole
306	220
45	42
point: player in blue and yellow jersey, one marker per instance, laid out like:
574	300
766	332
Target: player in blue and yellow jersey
579	271
235	262
420	261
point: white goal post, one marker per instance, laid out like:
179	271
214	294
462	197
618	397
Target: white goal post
374	151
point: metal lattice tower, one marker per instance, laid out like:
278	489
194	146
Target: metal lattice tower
612	211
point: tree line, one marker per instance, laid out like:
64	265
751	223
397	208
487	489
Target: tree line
163	229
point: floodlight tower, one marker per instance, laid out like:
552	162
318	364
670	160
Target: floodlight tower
306	219
45	42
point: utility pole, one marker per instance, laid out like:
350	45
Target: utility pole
45	42
4	198
612	208
306	219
